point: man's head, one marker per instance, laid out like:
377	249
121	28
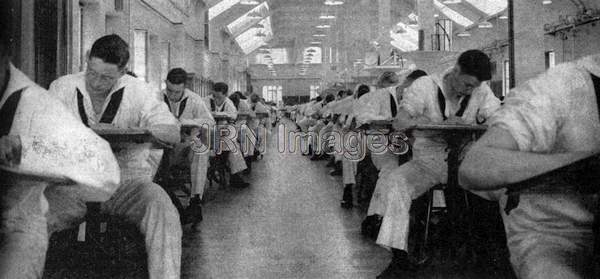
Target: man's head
387	79
472	68
219	91
329	98
176	84
362	90
414	75
106	64
254	98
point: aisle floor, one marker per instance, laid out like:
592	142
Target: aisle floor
287	224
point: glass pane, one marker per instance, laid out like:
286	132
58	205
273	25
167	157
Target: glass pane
139	53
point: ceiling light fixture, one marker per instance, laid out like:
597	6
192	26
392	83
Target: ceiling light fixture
323	26
546	2
503	16
325	16
249	2
333	2
463	34
485	24
451	2
319	35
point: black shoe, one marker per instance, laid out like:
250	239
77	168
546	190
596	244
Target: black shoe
238	182
347	197
400	267
335	172
248	165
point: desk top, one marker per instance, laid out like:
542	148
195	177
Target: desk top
218	116
137	135
29	175
449	127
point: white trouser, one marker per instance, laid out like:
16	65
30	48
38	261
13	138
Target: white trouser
385	163
349	171
236	160
23	229
198	171
550	235
247	139
396	189
141	202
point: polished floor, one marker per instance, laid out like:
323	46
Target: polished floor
288	224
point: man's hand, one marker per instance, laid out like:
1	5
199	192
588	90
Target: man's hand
10	150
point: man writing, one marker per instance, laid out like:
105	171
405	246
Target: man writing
191	111
546	123
455	96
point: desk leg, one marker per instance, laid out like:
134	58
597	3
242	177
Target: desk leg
459	212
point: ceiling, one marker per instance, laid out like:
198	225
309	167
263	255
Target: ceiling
353	31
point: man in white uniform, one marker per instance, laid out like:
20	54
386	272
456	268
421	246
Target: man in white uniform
102	96
545	123
455	96
191	111
38	135
220	105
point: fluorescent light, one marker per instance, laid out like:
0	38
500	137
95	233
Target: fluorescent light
485	24
547	2
436	15
315	43
319	35
323	26
249	2
327	17
503	16
463	34
451	1
333	2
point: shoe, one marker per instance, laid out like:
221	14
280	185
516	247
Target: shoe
193	213
335	172
238	182
347	197
248	166
315	157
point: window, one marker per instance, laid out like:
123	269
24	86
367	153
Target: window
550	59
165	62
505	78
273	93
140	58
314	91
206	30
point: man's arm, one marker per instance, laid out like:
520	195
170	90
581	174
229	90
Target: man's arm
157	118
495	161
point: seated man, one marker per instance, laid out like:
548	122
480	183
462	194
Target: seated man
259	124
104	95
455	96
220	105
246	136
189	108
545	123
38	135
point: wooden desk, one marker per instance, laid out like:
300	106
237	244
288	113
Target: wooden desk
129	135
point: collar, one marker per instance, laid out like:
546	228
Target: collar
124	81
186	93
18	80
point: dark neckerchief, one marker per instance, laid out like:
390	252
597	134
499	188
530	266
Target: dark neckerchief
393	105
8	110
181	105
111	109
442	104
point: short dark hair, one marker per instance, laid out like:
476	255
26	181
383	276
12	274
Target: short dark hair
177	76
362	90
416	74
221	87
319	98
475	63
341	93
330	98
111	49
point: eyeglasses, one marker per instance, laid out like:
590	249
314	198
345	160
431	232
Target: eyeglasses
105	79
